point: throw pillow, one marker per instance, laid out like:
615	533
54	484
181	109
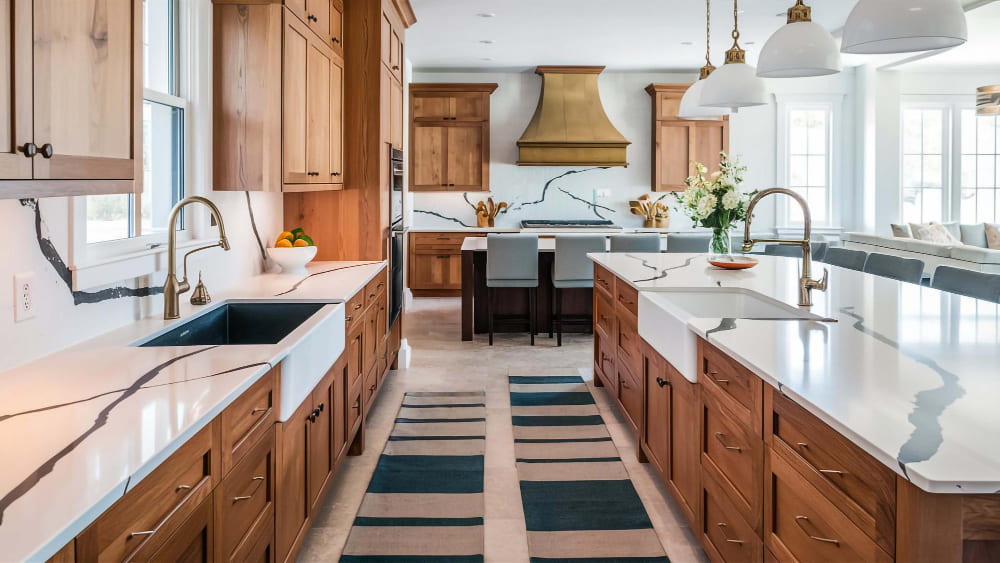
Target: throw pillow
993	236
974	235
901	231
953	229
935	233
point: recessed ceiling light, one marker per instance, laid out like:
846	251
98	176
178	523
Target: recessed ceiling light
749	42
486	59
486	41
486	15
686	43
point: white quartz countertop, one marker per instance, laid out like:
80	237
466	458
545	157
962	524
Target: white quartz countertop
909	373
478	244
81	427
541	231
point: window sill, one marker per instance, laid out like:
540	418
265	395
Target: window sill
796	231
109	270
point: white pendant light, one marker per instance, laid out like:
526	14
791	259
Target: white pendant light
736	84
801	48
903	26
691	107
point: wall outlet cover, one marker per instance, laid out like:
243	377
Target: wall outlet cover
602	193
24	296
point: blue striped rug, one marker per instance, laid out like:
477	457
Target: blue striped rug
425	500
579	503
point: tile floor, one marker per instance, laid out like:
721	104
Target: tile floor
442	362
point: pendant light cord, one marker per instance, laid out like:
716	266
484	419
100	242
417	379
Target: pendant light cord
736	23
708	32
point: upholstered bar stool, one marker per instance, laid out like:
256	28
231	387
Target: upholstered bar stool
818	250
512	261
572	269
846	258
908	270
969	283
646	242
695	243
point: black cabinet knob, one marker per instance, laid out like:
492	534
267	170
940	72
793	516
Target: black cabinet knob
30	150
335	173
47	150
312	18
662	382
335	39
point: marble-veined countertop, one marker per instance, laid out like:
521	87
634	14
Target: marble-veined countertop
81	427
909	373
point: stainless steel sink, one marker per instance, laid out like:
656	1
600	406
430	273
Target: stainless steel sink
234	324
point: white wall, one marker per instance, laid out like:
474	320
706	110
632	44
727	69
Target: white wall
752	139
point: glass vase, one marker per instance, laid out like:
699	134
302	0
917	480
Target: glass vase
721	243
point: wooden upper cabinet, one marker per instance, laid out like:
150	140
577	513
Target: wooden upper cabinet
396	114
336	29
71	93
279	100
450	137
678	142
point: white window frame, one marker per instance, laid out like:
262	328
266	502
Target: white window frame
956	196
103	263
833	105
951	160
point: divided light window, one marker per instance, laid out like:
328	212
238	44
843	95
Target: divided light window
809	162
980	200
923	173
131	216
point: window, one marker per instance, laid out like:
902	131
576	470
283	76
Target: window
980	200
924	164
143	216
809	161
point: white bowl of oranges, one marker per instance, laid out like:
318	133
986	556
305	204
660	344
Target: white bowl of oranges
292	251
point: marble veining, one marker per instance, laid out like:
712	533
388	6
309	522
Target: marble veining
909	374
322	273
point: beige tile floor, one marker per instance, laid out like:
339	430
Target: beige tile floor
442	362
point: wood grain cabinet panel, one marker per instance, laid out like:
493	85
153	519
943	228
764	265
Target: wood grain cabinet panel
723	532
245	497
678	142
248	418
194	540
292	504
336	29
450	137
630	396
16	113
435	263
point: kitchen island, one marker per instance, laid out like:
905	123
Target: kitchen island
866	431
89	428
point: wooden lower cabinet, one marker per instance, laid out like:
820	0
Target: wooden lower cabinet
194	540
435	263
244	502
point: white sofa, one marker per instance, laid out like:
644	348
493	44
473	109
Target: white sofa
970	257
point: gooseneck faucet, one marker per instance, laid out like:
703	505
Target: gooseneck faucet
172	287
806	283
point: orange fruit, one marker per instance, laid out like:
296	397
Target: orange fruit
283	243
300	242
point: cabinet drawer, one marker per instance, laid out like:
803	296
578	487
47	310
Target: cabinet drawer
439	240
140	522
246	494
604	314
604	361
732	378
604	281
247	419
630	395
802	525
724	533
354	406
370	387
627	298
627	339
734	453
374	289
863	488
355	308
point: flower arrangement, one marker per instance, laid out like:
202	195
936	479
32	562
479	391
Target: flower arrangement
716	202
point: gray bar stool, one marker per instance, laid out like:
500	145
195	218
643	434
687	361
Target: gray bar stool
572	269
646	242
512	261
818	250
696	243
969	283
846	258
908	270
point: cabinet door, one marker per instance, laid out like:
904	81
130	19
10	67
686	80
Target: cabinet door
466	156
194	541
396	114
337	27
433	107
319	72
656	435
396	54
672	154
710	138
683	469
298	7
321	430
385	37
292	485
85	89
339	406
355	350
318	17
437	271
336	143
427	158
371	339
15	89
295	102
470	106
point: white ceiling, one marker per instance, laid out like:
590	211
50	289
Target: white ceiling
622	35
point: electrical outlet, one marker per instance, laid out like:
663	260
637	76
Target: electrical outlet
602	193
24	296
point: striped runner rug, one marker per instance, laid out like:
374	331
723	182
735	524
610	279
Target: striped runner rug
425	500
579	503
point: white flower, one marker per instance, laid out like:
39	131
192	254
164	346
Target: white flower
716	174
731	200
706	205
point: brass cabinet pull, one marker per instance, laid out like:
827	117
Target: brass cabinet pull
719	436
802	445
238	499
832	472
348	318
662	382
260	478
145	533
258	409
625	384
358	306
182	488
800	519
722	526
714	374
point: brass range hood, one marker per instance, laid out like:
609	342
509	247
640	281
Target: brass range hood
570	127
